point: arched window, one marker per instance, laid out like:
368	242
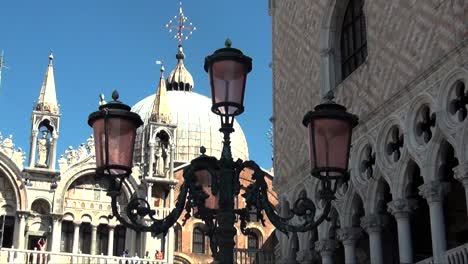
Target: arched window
178	238
198	241
353	38
253	241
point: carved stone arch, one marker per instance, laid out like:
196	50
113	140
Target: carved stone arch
41	205
68	216
383	160
446	91
403	182
328	229
415	144
86	217
12	173
375	193
85	169
346	212
165	130
330	51
49	123
430	171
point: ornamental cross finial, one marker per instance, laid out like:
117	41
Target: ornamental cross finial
178	24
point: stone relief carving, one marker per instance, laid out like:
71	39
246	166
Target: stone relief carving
72	156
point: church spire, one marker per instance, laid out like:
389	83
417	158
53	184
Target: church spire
160	112
47	101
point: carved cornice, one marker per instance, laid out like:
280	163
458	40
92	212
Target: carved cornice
402	207
373	223
434	191
349	234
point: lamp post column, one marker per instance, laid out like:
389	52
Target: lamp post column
226	231
349	236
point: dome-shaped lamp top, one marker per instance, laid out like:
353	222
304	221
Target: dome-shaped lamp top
180	78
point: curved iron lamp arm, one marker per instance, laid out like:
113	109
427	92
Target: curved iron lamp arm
256	196
138	208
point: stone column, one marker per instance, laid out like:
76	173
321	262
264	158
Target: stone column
149	193
53	152
152	145
170	238
32	156
171	161
93	238
349	236
326	249
461	174
110	245
19	232
401	209
373	224
434	193
76	236
56	232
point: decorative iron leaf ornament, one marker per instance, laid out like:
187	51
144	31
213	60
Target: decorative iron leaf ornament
367	164
458	105
396	144
424	126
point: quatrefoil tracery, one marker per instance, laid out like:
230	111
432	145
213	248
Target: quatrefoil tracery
395	144
459	104
425	124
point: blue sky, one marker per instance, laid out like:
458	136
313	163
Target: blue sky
102	45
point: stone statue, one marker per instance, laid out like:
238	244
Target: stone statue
90	143
71	155
159	162
165	155
63	164
82	152
18	157
8	145
42	150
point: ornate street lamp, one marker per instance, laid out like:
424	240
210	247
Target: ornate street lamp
330	128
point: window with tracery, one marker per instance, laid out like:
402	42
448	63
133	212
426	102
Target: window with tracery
198	241
353	38
178	238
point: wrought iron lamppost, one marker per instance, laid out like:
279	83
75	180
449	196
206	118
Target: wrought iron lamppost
330	128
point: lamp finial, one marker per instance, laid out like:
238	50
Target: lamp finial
115	95
228	43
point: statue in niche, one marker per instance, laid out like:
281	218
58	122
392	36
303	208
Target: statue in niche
159	161
42	150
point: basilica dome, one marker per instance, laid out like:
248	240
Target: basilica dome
196	126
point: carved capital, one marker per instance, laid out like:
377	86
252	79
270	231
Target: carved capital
402	207
56	217
326	247
461	173
373	223
22	214
349	234
77	223
434	191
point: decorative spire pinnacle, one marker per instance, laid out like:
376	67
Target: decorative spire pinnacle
178	24
47	101
2	65
160	112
